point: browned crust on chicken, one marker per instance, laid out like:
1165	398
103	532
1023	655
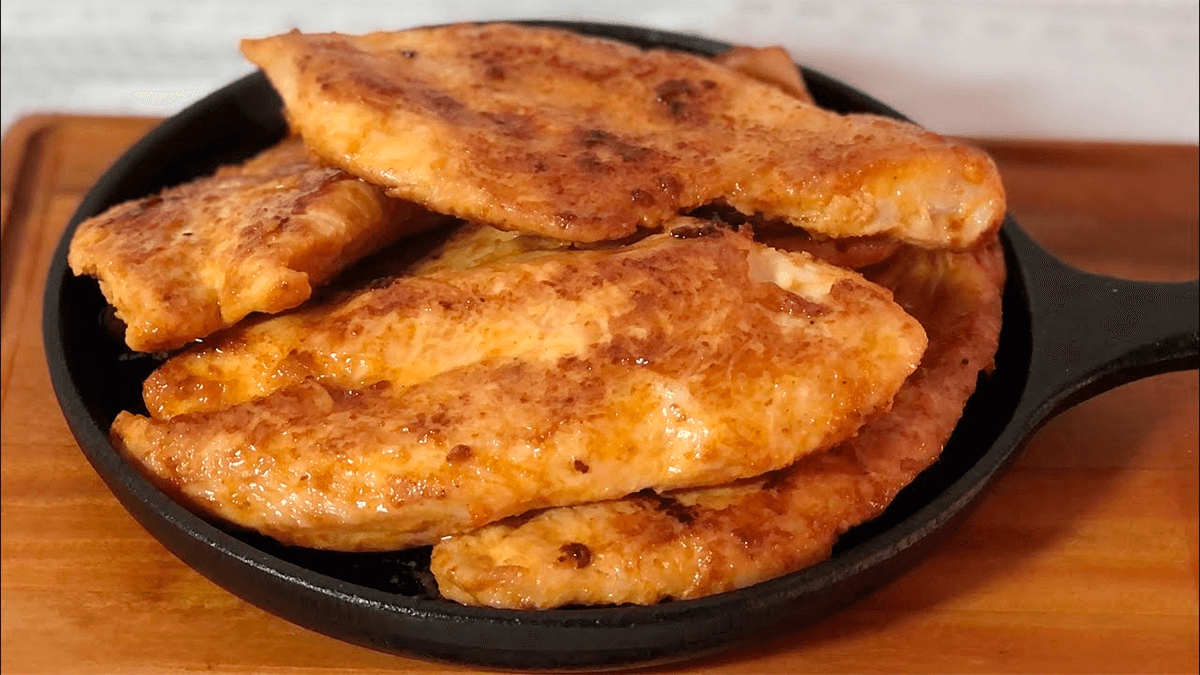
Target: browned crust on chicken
552	133
439	403
256	237
698	542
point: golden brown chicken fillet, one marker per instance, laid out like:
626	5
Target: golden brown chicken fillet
697	542
256	237
261	356
552	133
439	403
774	66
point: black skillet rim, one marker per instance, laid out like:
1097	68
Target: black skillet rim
549	639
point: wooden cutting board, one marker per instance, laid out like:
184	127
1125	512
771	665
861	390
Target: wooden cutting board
1083	558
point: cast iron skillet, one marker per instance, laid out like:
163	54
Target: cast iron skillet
1067	336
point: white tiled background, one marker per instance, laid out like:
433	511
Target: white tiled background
1087	69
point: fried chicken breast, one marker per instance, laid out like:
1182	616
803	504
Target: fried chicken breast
691	543
435	404
548	132
256	237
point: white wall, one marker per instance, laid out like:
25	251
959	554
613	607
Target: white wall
1019	68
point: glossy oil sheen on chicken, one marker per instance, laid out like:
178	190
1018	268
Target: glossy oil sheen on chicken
549	132
697	542
438	403
256	237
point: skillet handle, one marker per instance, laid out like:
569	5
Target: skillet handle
1093	333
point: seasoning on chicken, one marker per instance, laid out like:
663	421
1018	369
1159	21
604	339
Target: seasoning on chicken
549	132
255	237
435	404
691	543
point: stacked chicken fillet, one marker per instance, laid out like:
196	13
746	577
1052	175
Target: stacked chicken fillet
597	323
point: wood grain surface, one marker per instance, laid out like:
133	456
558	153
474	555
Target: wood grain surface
1083	558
